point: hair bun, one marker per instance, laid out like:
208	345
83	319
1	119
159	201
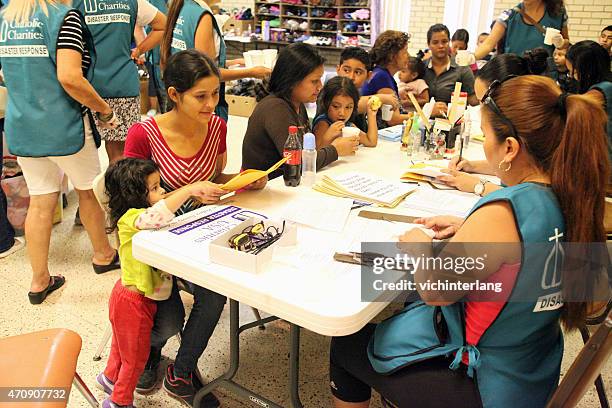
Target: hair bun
537	60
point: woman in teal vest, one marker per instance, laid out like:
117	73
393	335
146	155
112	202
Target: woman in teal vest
112	24
501	347
520	34
191	24
157	91
589	64
49	124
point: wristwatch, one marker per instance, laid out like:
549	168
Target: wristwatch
479	188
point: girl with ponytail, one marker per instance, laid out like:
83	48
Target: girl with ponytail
549	149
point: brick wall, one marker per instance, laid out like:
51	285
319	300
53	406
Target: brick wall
423	14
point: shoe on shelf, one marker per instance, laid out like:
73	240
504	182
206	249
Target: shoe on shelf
18	243
184	389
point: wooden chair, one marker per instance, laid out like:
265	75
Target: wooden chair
43	359
585	368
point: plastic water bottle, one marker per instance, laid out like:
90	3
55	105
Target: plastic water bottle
309	160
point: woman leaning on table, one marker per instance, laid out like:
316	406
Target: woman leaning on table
191	24
501	349
49	125
520	34
188	144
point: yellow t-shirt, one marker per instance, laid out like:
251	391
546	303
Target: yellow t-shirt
133	272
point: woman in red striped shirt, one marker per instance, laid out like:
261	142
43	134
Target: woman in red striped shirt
188	144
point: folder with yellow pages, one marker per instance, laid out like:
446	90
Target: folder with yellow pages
246	177
423	172
365	187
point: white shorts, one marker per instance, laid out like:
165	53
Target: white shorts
43	175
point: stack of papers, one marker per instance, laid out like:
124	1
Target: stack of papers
320	212
365	187
441	202
423	172
392	134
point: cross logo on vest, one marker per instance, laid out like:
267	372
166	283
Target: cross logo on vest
28	31
99	6
551	277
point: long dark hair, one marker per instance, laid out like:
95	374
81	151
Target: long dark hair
295	62
461	35
125	184
554	7
334	87
566	139
166	42
592	63
185	68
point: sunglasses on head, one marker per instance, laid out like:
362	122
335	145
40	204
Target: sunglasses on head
487	99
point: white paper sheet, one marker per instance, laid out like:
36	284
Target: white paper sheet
441	202
319	211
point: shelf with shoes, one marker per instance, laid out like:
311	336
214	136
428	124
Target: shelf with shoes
323	20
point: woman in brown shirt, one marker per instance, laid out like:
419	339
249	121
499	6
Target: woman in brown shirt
295	80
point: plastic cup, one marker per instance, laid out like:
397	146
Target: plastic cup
248	61
387	112
349	131
550	33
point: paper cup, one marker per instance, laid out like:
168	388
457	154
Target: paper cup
349	131
270	57
258	58
387	112
248	61
550	33
462	58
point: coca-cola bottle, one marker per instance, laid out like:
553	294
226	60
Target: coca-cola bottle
292	171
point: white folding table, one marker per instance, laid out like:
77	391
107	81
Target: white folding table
312	292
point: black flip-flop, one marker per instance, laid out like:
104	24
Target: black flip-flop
99	269
55	282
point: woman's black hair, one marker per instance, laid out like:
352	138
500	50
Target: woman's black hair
592	63
554	7
295	62
416	65
125	184
185	68
505	65
334	87
437	28
537	60
461	35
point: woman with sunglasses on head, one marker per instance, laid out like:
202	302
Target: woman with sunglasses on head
499	349
500	68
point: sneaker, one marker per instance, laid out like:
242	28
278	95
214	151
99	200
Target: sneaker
107	403
104	384
148	379
18	244
184	389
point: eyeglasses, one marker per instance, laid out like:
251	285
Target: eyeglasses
487	99
256	238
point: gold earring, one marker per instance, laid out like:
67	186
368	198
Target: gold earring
499	166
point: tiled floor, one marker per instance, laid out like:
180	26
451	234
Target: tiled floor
82	306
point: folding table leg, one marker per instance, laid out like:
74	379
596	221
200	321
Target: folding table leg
294	366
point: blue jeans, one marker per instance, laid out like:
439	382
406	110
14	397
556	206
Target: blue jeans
7	233
205	314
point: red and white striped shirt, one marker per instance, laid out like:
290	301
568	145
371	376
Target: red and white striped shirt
145	141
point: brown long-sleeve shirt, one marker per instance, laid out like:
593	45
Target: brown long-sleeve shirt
267	133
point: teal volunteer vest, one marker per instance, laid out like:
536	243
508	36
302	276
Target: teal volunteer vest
112	24
183	38
41	118
517	360
154	55
521	37
606	89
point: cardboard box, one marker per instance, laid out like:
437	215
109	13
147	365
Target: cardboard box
220	252
239	26
241	105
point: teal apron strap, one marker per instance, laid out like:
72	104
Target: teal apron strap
473	359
